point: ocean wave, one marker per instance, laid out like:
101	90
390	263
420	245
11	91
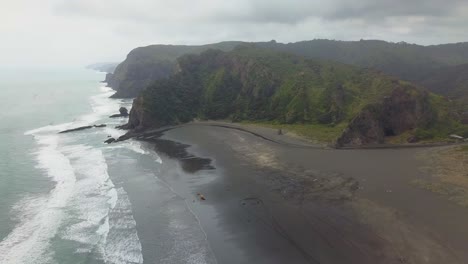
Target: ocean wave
29	240
122	243
98	209
137	147
84	206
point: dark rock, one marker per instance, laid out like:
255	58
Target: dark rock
123	113
75	129
123	137
110	140
365	128
111	80
405	109
139	118
81	128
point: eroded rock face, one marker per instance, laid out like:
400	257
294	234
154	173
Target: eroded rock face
405	109
366	128
139	119
123	111
111	81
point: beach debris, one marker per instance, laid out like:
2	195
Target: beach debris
110	140
201	196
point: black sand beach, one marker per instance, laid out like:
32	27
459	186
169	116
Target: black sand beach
273	199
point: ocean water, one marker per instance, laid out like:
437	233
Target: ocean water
58	203
70	198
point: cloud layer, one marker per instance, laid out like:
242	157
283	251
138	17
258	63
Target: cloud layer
69	32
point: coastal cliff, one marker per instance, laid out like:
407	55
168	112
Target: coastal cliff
145	65
253	84
403	110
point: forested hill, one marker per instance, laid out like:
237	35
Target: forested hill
402	60
450	81
146	64
256	84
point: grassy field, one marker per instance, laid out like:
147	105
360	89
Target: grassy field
448	170
312	132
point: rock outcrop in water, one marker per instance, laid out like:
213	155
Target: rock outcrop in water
110	140
123	113
139	118
81	128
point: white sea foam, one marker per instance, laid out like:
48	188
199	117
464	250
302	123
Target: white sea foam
84	206
122	242
103	214
29	240
137	147
49	129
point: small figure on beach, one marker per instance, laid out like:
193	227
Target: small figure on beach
280	132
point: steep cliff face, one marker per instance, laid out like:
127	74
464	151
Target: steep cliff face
129	82
139	118
404	110
110	80
145	65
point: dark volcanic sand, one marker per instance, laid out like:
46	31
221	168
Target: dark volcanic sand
269	202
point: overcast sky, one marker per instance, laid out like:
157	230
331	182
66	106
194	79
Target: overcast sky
79	32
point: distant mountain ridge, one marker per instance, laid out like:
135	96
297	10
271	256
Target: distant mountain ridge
450	81
405	61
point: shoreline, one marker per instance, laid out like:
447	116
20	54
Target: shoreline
271	134
320	205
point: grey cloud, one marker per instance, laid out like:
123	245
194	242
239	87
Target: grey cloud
108	29
258	11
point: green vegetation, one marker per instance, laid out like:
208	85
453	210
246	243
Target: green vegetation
144	65
405	61
316	133
315	99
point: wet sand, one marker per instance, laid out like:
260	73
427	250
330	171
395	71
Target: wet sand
274	199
